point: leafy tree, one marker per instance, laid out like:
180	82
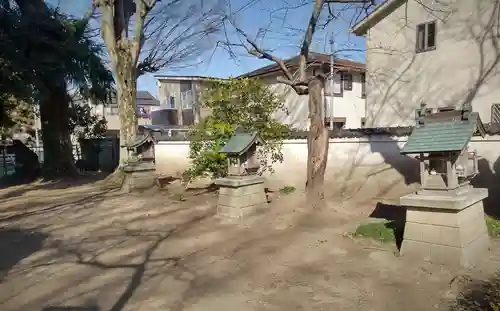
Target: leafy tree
17	114
84	124
50	52
236	102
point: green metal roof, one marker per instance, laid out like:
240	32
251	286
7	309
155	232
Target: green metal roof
239	143
441	135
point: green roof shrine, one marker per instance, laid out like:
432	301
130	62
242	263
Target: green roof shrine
441	141
241	150
444	131
239	143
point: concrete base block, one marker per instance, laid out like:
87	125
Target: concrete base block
240	196
451	233
139	177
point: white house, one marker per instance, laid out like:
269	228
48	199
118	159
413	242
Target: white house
442	53
344	94
344	91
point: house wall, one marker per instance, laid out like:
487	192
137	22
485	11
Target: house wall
350	105
368	167
175	87
113	121
463	68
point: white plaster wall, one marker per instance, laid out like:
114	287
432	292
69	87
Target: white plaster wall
296	113
464	67
353	164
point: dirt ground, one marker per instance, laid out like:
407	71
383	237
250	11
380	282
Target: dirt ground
81	248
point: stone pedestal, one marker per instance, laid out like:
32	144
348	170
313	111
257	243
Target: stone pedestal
446	229
139	176
240	195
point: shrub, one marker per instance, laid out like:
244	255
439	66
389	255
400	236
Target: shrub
247	103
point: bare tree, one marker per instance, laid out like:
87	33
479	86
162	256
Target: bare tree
167	33
303	83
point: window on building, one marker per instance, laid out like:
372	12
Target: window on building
333	86
172	102
495	114
169	101
426	37
363	85
187	99
347	79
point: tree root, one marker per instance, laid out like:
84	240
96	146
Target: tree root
114	180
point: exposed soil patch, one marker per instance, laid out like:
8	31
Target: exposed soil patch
84	248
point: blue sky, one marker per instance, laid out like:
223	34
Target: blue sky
282	38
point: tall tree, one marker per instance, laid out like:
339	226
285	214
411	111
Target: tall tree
51	52
303	83
174	30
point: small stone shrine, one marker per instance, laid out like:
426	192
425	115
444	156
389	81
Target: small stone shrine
445	219
242	192
140	171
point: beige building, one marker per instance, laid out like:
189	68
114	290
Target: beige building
344	94
146	103
179	97
441	53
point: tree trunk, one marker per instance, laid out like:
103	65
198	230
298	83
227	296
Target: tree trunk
58	159
126	84
54	106
317	144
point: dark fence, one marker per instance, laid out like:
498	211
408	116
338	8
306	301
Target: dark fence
100	154
39	152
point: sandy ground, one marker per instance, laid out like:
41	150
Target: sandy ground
83	249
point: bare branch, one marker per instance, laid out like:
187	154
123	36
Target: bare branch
175	34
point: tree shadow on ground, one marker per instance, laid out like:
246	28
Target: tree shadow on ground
396	217
31	208
490	179
73	308
139	268
17	244
61	184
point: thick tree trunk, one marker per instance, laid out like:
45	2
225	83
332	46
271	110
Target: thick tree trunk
126	84
58	159
317	144
54	107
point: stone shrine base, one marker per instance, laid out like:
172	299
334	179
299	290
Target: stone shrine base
139	176
240	196
443	229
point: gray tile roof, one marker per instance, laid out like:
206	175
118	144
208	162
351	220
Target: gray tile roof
144	98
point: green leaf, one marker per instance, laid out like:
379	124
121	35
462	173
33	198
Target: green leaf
235	102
